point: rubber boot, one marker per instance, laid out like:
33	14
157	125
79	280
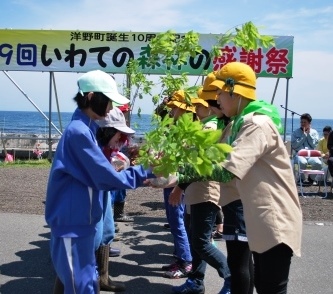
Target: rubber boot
119	214
105	282
58	287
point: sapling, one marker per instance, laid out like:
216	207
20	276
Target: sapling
171	145
176	143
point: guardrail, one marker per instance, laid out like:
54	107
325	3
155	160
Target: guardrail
27	147
22	146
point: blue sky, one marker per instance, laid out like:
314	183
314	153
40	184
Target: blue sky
310	22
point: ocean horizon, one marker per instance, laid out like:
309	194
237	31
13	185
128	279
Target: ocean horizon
33	122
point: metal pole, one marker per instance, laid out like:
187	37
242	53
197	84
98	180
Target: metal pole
40	111
292	117
57	101
274	93
50	120
285	110
128	114
292	122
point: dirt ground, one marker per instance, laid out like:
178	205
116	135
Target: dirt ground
22	190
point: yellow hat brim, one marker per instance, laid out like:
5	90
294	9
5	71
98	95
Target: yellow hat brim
208	94
218	84
199	101
173	104
246	92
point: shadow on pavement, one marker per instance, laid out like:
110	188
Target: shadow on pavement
145	246
34	270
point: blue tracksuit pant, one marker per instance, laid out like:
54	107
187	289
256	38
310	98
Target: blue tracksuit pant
105	230
175	217
74	263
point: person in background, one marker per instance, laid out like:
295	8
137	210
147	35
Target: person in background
111	135
208	94
306	137
176	214
119	196
322	147
330	150
322	144
162	109
260	166
239	255
202	201
217	234
119	202
79	174
9	157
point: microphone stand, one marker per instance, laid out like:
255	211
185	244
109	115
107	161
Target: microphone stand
292	117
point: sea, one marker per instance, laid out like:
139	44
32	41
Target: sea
34	123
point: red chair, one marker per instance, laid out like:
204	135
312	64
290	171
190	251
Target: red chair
307	172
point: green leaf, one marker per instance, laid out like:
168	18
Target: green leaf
200	136
223	147
211	136
204	169
212	153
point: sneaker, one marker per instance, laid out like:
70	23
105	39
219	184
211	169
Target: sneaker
190	287
170	266
179	271
124	218
217	236
114	252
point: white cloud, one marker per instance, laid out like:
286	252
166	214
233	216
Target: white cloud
312	28
121	15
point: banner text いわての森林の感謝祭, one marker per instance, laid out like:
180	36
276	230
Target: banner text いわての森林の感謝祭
82	51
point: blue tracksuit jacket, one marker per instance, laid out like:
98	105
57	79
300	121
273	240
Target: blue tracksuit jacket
79	174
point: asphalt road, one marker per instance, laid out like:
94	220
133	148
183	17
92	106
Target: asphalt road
146	246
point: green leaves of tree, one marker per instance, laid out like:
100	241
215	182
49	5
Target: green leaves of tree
171	83
173	144
169	50
247	37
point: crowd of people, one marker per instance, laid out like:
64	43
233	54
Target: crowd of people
250	200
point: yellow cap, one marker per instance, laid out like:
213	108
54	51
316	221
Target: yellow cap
208	92
199	101
178	100
236	77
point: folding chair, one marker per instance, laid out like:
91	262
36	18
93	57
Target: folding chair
328	178
307	172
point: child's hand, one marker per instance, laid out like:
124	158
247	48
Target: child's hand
175	197
162	182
